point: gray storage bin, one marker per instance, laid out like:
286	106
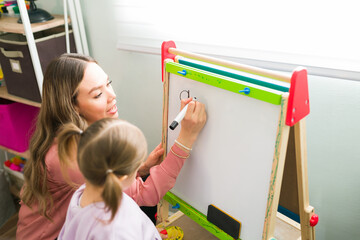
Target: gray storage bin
16	62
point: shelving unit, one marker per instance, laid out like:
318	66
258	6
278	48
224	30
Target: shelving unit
10	25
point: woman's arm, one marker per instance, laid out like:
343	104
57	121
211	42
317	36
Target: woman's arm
163	177
191	126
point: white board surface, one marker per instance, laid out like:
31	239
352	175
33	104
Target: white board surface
231	161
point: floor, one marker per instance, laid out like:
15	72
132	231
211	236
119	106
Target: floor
284	229
8	230
192	230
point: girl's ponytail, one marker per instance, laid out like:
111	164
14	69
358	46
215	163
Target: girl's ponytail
112	193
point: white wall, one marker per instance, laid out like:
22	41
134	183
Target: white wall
333	139
333	132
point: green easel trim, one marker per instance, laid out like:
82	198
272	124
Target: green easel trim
197	216
276	159
257	92
235	76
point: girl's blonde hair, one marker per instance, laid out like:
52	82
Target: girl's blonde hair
60	88
107	150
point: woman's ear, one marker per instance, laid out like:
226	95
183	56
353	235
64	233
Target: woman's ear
77	108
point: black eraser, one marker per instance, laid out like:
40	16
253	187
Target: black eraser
224	221
173	125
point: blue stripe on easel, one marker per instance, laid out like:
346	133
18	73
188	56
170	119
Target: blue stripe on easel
234	75
289	214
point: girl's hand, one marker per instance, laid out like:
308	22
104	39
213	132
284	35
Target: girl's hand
162	233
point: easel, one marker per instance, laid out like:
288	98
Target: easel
297	105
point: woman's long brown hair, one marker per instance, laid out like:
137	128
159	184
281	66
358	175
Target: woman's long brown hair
60	86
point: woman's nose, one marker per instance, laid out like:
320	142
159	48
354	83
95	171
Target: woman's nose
111	94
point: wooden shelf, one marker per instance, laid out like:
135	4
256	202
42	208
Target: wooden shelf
21	154
9	24
6	95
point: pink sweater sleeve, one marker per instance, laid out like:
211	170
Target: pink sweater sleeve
162	178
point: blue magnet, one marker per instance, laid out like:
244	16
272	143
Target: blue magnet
183	72
177	206
246	90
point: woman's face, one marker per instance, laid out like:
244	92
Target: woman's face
96	98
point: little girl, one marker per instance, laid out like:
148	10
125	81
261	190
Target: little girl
110	152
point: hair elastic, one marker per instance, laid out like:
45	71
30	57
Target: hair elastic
81	132
109	171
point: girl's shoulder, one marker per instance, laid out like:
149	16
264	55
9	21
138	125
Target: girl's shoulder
129	209
131	222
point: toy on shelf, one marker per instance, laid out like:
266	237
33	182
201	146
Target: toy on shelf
10	8
14	168
16	163
2	82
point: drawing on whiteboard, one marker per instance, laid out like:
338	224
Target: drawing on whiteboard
184	91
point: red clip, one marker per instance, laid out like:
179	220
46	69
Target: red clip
298	104
164	232
314	220
165	55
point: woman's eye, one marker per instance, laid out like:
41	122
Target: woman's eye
97	96
109	83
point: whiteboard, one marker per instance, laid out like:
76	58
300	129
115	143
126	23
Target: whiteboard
231	161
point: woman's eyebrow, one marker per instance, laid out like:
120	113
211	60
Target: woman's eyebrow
95	88
98	87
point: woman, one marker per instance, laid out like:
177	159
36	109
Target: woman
77	90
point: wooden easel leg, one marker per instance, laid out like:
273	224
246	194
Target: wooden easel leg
163	211
305	210
163	218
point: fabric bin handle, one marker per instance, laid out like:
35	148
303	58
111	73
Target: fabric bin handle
12	54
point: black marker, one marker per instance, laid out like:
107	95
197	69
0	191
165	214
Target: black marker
179	117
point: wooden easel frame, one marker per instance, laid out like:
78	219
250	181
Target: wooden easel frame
297	107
